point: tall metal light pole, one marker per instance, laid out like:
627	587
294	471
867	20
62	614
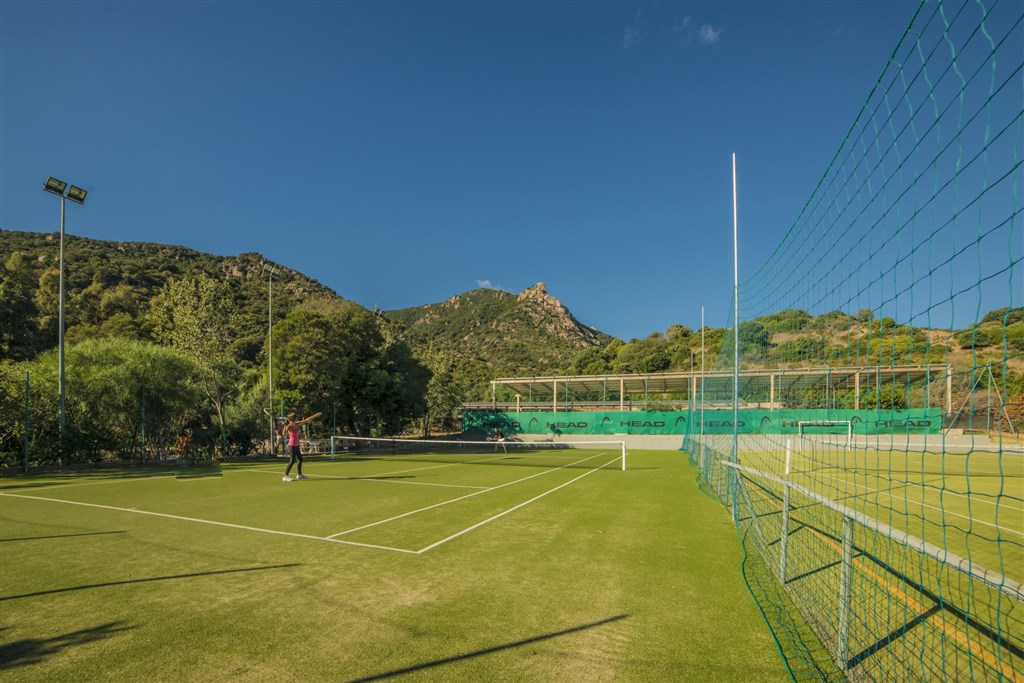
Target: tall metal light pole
270	352
77	195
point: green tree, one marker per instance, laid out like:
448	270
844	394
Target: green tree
190	314
643	355
114	389
443	392
19	330
591	361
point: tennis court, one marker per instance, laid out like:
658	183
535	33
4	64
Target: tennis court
972	499
912	559
378	568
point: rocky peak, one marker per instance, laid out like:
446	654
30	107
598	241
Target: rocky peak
539	294
552	315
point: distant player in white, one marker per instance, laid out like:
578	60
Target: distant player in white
499	438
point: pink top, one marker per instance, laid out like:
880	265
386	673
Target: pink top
293	435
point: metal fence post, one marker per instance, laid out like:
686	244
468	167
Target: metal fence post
25	440
842	654
785	519
142	392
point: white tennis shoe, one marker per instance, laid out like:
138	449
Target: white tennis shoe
286	478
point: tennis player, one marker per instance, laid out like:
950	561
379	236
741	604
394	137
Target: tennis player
499	438
292	430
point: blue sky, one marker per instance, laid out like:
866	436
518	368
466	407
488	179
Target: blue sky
402	153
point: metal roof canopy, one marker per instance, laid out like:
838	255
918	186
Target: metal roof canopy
720	382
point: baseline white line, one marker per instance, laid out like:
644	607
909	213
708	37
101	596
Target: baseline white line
468	495
505	512
207	521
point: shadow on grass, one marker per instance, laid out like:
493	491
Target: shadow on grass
43	538
8	483
486	651
34	650
146	580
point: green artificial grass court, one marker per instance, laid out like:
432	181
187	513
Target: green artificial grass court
436	572
971	504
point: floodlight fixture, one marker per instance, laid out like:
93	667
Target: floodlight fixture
57	187
77	194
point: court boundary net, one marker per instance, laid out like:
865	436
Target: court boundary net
902	555
607	454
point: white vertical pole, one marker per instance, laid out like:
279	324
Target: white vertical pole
736	316
736	340
702	387
845	591
783	540
270	356
60	334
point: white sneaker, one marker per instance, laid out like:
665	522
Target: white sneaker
286	478
302	476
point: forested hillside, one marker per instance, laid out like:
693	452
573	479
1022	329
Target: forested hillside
490	333
110	287
161	339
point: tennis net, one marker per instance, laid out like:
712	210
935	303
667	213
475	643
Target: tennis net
583	454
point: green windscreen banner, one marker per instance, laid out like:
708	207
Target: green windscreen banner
911	421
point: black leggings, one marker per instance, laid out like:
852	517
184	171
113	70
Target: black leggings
296	458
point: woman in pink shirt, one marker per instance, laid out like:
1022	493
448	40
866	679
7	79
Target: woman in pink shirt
292	431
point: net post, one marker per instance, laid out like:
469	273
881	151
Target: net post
623	456
332	446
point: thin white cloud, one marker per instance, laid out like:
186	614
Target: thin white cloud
486	284
679	25
709	34
632	33
631	37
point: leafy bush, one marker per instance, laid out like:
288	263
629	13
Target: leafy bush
1007	316
979	337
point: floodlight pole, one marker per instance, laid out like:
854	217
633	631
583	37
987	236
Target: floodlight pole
60	332
736	313
736	338
77	195
270	355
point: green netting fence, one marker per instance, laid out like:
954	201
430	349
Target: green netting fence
805	423
900	558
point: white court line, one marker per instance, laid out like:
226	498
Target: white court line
207	521
502	514
378	478
468	495
944	512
